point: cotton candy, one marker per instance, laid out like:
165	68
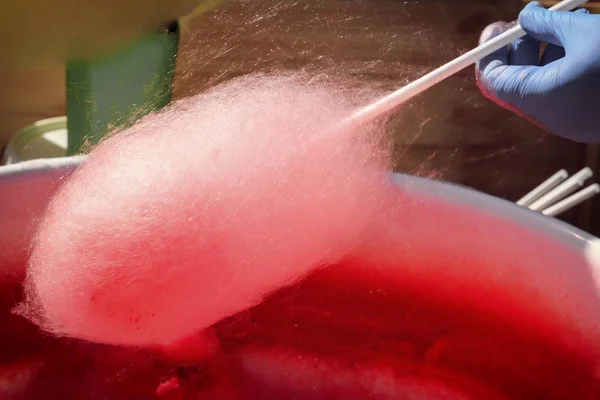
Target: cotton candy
199	211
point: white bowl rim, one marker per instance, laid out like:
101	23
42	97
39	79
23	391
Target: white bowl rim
446	191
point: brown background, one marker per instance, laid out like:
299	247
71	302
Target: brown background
451	132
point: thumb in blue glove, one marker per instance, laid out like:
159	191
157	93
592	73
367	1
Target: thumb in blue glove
559	89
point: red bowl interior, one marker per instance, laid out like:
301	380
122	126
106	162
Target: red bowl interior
341	333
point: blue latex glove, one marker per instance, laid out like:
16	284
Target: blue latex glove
559	91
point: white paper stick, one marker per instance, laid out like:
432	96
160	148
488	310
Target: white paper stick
543	188
572	201
563	190
414	88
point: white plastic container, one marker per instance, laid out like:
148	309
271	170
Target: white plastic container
44	139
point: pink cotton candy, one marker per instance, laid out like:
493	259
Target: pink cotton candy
198	212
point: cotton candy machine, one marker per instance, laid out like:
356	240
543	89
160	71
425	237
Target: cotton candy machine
473	297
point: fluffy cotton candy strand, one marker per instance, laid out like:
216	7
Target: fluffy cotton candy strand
197	212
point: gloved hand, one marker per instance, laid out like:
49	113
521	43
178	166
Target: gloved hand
560	91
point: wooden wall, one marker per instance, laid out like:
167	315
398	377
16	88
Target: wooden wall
451	132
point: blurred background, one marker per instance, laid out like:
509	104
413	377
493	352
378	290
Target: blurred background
450	133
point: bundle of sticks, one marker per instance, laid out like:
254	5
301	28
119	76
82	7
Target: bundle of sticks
559	193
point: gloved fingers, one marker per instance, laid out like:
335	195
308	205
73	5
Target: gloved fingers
493	30
544	25
552	53
499	56
582	11
506	83
506	72
524	51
